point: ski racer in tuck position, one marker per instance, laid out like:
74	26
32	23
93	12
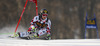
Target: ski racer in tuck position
40	25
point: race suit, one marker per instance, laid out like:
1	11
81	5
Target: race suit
43	26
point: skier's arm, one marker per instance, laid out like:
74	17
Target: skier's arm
48	27
35	19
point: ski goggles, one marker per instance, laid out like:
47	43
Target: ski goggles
44	15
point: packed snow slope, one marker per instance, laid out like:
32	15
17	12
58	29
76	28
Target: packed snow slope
7	41
63	42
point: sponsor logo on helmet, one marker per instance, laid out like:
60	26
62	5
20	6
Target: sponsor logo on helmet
45	11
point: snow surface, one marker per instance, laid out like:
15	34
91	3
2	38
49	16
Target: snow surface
63	42
7	41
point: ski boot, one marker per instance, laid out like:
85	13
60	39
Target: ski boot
48	37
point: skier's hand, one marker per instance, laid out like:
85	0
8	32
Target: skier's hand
48	37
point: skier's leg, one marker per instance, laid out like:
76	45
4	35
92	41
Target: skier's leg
42	32
45	33
23	34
